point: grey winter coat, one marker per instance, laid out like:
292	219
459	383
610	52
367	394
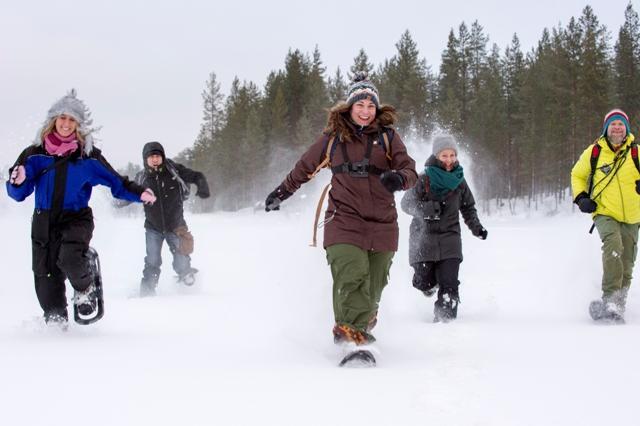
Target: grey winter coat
434	235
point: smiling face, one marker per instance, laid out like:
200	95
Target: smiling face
616	131
65	125
363	112
448	157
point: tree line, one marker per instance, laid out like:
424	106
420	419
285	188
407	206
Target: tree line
524	117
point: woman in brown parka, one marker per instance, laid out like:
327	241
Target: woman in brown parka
369	163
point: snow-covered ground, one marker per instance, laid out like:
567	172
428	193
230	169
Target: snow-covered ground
251	342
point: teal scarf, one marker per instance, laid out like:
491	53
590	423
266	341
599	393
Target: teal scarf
441	182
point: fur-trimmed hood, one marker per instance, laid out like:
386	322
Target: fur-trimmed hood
339	120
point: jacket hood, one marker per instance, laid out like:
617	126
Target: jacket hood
339	120
151	148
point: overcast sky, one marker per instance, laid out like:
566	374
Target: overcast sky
141	65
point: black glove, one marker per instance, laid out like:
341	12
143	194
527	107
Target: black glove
391	180
638	186
203	187
275	198
586	204
481	233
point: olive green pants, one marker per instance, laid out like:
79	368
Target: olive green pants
619	249
359	276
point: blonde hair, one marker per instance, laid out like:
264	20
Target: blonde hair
49	128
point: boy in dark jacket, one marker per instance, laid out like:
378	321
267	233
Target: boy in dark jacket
435	244
165	219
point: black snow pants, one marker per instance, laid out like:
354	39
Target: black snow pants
59	247
443	273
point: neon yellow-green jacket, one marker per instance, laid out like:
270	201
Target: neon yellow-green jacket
614	192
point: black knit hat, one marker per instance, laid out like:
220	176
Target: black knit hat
362	88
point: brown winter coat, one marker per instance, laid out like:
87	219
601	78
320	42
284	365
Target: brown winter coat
361	211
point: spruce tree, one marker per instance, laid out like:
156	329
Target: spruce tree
449	94
361	64
627	65
513	66
404	82
336	88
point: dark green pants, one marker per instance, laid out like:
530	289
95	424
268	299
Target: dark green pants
619	249
359	276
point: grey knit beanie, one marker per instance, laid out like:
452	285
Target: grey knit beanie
72	106
442	142
362	88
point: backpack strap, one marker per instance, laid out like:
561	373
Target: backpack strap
314	239
595	154
328	151
386	142
634	155
184	188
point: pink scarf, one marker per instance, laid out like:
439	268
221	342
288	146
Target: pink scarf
60	146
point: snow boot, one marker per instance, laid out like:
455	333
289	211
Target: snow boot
57	318
188	278
446	308
85	301
343	333
430	291
147	288
606	311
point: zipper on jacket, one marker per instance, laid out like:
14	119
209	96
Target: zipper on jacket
161	192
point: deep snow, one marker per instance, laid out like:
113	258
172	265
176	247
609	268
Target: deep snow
251	342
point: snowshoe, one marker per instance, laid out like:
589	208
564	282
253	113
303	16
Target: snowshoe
358	358
88	306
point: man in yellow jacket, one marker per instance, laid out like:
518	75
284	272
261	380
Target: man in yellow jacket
611	193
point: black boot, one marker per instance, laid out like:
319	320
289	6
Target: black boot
57	318
86	301
148	287
446	308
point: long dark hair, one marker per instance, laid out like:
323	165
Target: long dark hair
339	117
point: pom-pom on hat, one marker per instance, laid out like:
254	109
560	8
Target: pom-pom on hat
362	88
615	114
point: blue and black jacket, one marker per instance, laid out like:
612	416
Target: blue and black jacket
64	184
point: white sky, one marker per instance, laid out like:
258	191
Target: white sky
141	66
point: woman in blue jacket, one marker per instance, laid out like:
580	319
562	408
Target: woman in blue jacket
62	166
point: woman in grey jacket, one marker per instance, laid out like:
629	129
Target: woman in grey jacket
435	244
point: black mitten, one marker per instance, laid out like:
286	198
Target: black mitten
392	181
585	204
274	199
203	187
481	233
